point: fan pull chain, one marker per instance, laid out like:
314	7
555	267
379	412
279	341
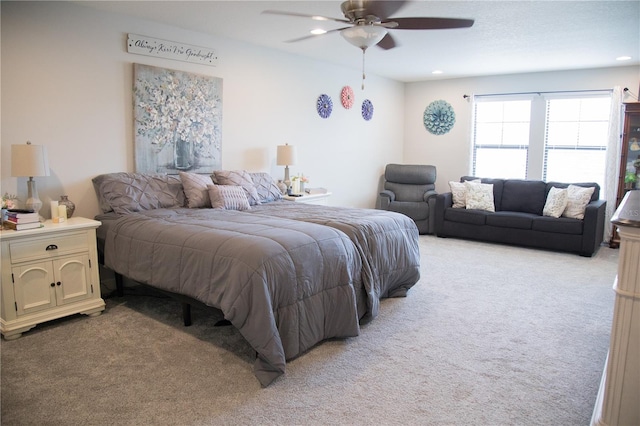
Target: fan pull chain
363	76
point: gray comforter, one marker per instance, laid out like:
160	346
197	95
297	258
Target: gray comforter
387	243
284	284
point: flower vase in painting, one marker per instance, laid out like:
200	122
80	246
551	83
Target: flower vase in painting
183	154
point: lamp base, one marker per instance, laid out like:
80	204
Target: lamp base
33	201
287	181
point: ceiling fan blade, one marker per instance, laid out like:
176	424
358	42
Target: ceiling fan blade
387	42
431	23
315	35
304	15
383	9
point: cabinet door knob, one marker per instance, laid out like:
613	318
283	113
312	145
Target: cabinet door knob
58	283
53	284
51	247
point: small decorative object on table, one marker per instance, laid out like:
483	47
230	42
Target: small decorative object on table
282	186
298	183
9	201
71	207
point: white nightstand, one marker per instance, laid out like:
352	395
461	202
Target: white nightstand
310	198
48	273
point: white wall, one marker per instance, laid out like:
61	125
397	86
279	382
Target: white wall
450	153
67	84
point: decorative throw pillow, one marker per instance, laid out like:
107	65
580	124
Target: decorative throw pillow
195	188
238	178
459	193
577	199
556	202
228	197
480	196
266	187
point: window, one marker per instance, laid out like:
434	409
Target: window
547	136
501	138
576	139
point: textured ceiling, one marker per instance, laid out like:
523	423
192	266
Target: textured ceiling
507	37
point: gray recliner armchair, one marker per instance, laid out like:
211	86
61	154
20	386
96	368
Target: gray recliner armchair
410	189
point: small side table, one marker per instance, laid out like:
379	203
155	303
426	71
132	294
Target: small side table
48	273
320	199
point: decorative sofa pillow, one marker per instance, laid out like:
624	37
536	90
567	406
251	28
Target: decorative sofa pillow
556	202
577	199
228	197
459	193
238	178
195	189
480	196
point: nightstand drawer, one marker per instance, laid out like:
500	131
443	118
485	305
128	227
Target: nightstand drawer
48	247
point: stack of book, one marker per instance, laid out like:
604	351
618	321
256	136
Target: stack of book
19	219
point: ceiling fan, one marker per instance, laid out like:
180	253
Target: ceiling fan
369	21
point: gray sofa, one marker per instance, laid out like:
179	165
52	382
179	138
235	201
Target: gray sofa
410	189
518	218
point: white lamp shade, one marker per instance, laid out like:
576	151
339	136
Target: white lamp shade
364	36
286	155
29	160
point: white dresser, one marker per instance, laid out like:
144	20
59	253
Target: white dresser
48	273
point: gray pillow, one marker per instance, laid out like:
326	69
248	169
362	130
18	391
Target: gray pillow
131	192
266	187
238	178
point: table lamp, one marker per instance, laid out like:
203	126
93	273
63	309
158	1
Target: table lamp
286	157
28	161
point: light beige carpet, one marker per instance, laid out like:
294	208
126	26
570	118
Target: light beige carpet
491	335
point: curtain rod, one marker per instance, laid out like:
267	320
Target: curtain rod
541	92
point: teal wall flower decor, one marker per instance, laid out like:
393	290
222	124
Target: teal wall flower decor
439	117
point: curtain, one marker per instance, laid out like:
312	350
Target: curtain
613	158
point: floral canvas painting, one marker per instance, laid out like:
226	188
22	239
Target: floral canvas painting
178	121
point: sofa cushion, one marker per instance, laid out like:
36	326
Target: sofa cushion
560	225
472	217
497	188
459	193
479	196
526	196
417	210
596	192
556	202
516	220
577	200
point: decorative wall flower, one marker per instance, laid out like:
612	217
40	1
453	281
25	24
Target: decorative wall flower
439	117
367	109
324	106
347	97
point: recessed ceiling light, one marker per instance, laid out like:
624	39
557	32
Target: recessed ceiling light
436	72
623	58
318	31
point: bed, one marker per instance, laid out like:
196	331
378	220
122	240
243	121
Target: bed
287	276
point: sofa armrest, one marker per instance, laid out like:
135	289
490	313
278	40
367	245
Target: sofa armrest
386	197
429	194
593	227
443	201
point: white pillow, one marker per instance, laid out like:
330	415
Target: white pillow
577	199
556	202
459	193
480	196
195	188
228	197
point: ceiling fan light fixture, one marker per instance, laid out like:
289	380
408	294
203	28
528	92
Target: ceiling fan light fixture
364	36
318	31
